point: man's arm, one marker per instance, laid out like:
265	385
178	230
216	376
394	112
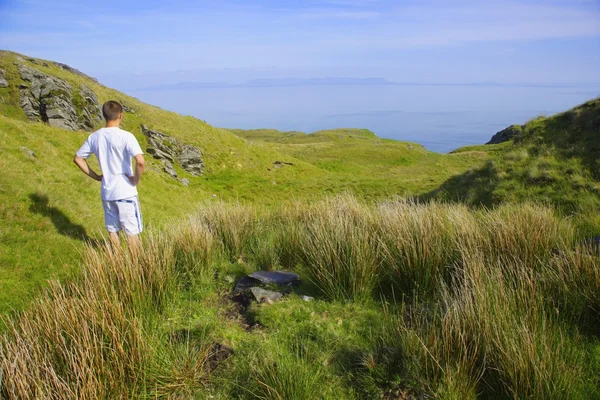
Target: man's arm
140	164
83	165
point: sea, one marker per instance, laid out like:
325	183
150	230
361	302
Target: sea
441	117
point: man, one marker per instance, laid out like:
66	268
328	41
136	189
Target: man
114	148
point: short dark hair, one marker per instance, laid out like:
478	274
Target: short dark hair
111	110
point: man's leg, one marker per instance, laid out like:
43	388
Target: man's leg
111	219
130	218
134	243
114	239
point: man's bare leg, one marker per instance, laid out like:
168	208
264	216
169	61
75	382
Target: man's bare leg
114	239
134	243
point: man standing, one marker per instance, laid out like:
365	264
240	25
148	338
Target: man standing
114	148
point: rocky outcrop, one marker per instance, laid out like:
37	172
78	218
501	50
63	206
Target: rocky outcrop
127	109
3	81
169	150
90	110
72	70
506	134
49	99
190	159
281	164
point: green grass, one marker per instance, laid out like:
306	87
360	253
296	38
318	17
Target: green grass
47	206
413	298
553	160
511	313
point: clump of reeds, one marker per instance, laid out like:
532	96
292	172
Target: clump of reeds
419	243
497	302
339	248
87	339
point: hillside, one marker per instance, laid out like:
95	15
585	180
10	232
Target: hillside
553	160
358	161
394	299
47	206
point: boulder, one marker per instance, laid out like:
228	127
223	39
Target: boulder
283	279
49	99
281	164
190	159
91	113
262	295
168	168
160	145
3	81
506	134
166	148
127	109
28	152
73	70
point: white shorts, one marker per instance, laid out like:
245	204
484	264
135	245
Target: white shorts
123	214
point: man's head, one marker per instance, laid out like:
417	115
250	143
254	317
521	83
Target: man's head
112	111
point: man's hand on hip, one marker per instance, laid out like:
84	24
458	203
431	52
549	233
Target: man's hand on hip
134	180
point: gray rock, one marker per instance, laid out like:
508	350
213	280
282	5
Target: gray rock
28	152
281	164
263	295
73	70
245	283
49	99
3	81
127	109
506	134
168	168
91	114
165	147
185	181
307	298
281	278
190	159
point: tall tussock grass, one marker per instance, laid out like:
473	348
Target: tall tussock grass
494	303
339	248
419	243
86	339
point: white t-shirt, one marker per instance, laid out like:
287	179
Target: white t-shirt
114	149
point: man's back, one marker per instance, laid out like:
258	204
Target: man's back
114	149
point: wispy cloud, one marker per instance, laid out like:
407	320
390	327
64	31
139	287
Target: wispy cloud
150	35
336	14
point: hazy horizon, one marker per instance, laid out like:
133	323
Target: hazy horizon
442	117
474	66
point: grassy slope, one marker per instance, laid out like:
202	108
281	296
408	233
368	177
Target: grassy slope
358	161
497	304
553	160
47	205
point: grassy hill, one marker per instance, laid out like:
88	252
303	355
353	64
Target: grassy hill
552	160
47	206
410	300
358	161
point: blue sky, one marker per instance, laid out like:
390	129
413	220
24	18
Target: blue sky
512	41
543	56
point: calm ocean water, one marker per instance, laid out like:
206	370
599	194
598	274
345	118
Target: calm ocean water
440	117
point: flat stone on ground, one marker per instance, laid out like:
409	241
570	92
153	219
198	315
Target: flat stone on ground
262	295
281	278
